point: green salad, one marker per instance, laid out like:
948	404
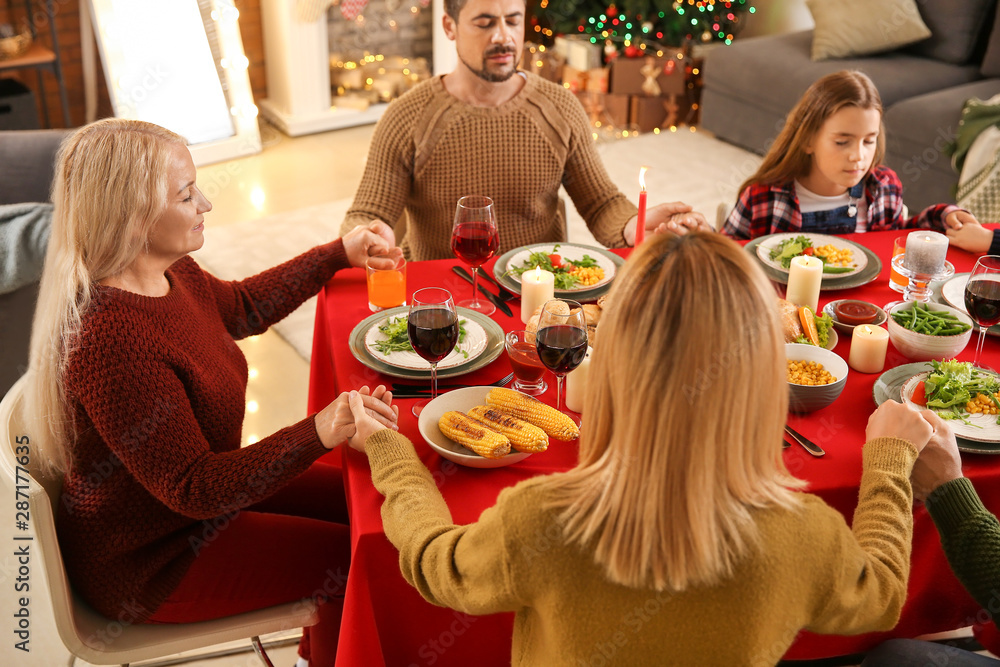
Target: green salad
560	266
952	384
398	340
802	245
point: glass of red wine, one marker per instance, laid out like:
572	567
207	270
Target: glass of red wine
432	327
982	297
474	239
561	341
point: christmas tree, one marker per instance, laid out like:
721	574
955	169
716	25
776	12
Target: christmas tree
637	22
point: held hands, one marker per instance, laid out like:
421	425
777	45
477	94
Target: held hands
895	420
965	232
675	217
939	461
356	415
374	239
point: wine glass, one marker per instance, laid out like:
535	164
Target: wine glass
561	341
982	297
432	327
474	239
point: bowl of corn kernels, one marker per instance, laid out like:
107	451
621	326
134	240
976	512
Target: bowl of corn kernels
815	377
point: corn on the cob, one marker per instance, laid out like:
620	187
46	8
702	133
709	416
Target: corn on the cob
474	435
531	410
524	437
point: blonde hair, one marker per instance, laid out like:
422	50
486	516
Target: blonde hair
110	187
684	412
787	159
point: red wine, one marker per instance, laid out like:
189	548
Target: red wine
982	300
561	348
433	332
474	242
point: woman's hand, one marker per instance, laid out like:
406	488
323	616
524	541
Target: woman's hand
336	422
965	232
939	461
895	420
676	217
377	240
366	420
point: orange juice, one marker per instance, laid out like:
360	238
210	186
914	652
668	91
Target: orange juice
897	281
386	289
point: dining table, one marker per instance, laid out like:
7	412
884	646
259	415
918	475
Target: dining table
387	622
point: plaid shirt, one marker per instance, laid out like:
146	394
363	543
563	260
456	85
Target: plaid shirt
770	209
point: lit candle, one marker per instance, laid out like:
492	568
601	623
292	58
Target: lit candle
537	287
925	252
576	384
805	275
640	220
868	346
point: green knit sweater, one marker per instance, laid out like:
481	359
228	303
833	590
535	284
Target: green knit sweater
809	571
970	535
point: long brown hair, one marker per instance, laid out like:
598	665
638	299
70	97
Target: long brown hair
787	159
684	411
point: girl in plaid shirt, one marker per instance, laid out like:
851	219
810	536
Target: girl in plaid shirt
823	173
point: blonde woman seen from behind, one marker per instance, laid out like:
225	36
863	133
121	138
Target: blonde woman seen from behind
679	538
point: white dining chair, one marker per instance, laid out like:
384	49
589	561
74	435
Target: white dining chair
84	632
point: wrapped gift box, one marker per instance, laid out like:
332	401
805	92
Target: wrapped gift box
617	108
578	52
593	80
546	63
627	76
648	113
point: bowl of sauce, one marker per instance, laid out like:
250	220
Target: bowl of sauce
849	313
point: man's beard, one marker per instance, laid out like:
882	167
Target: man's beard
484	73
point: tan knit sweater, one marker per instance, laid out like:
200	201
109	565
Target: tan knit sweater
810	571
430	149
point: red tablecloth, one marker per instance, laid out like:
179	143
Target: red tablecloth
387	623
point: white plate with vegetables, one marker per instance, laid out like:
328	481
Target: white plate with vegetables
841	258
948	388
577	268
388	341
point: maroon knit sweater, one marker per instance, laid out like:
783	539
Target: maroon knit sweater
157	387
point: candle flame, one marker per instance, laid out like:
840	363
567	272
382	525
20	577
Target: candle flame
642	178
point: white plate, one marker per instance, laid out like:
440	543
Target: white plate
461	400
953	292
765	247
982	428
566	251
474	345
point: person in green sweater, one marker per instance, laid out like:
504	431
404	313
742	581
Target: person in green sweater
970	536
680	537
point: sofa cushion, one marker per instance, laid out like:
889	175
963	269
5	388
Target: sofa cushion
991	59
955	27
772	72
27	161
847	28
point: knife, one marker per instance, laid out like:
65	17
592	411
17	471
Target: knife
505	293
806	443
493	298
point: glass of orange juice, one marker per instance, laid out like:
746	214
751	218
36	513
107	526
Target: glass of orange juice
386	287
896	281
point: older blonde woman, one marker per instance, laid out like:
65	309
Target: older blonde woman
679	522
139	389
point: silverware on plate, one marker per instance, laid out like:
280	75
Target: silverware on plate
404	390
806	443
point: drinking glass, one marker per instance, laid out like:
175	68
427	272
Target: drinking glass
528	368
432	327
474	239
561	341
982	297
386	287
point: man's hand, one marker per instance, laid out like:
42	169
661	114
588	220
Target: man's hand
376	240
676	217
939	461
965	232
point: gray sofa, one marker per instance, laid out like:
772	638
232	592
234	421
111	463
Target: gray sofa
27	160
750	86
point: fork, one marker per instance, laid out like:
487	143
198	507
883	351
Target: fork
403	390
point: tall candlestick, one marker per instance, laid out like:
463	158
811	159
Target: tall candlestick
805	275
868	348
925	252
640	220
537	287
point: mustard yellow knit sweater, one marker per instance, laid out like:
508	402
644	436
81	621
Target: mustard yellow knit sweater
810	571
430	149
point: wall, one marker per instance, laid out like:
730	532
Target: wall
775	17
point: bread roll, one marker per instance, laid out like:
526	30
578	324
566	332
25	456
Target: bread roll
790	322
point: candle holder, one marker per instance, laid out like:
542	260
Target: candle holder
918	287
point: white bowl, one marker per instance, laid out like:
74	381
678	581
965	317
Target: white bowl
848	329
461	400
924	347
808	398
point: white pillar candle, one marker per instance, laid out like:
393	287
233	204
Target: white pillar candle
925	252
805	275
868	347
576	384
537	287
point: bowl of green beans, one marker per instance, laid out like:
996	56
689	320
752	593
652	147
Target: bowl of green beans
925	331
